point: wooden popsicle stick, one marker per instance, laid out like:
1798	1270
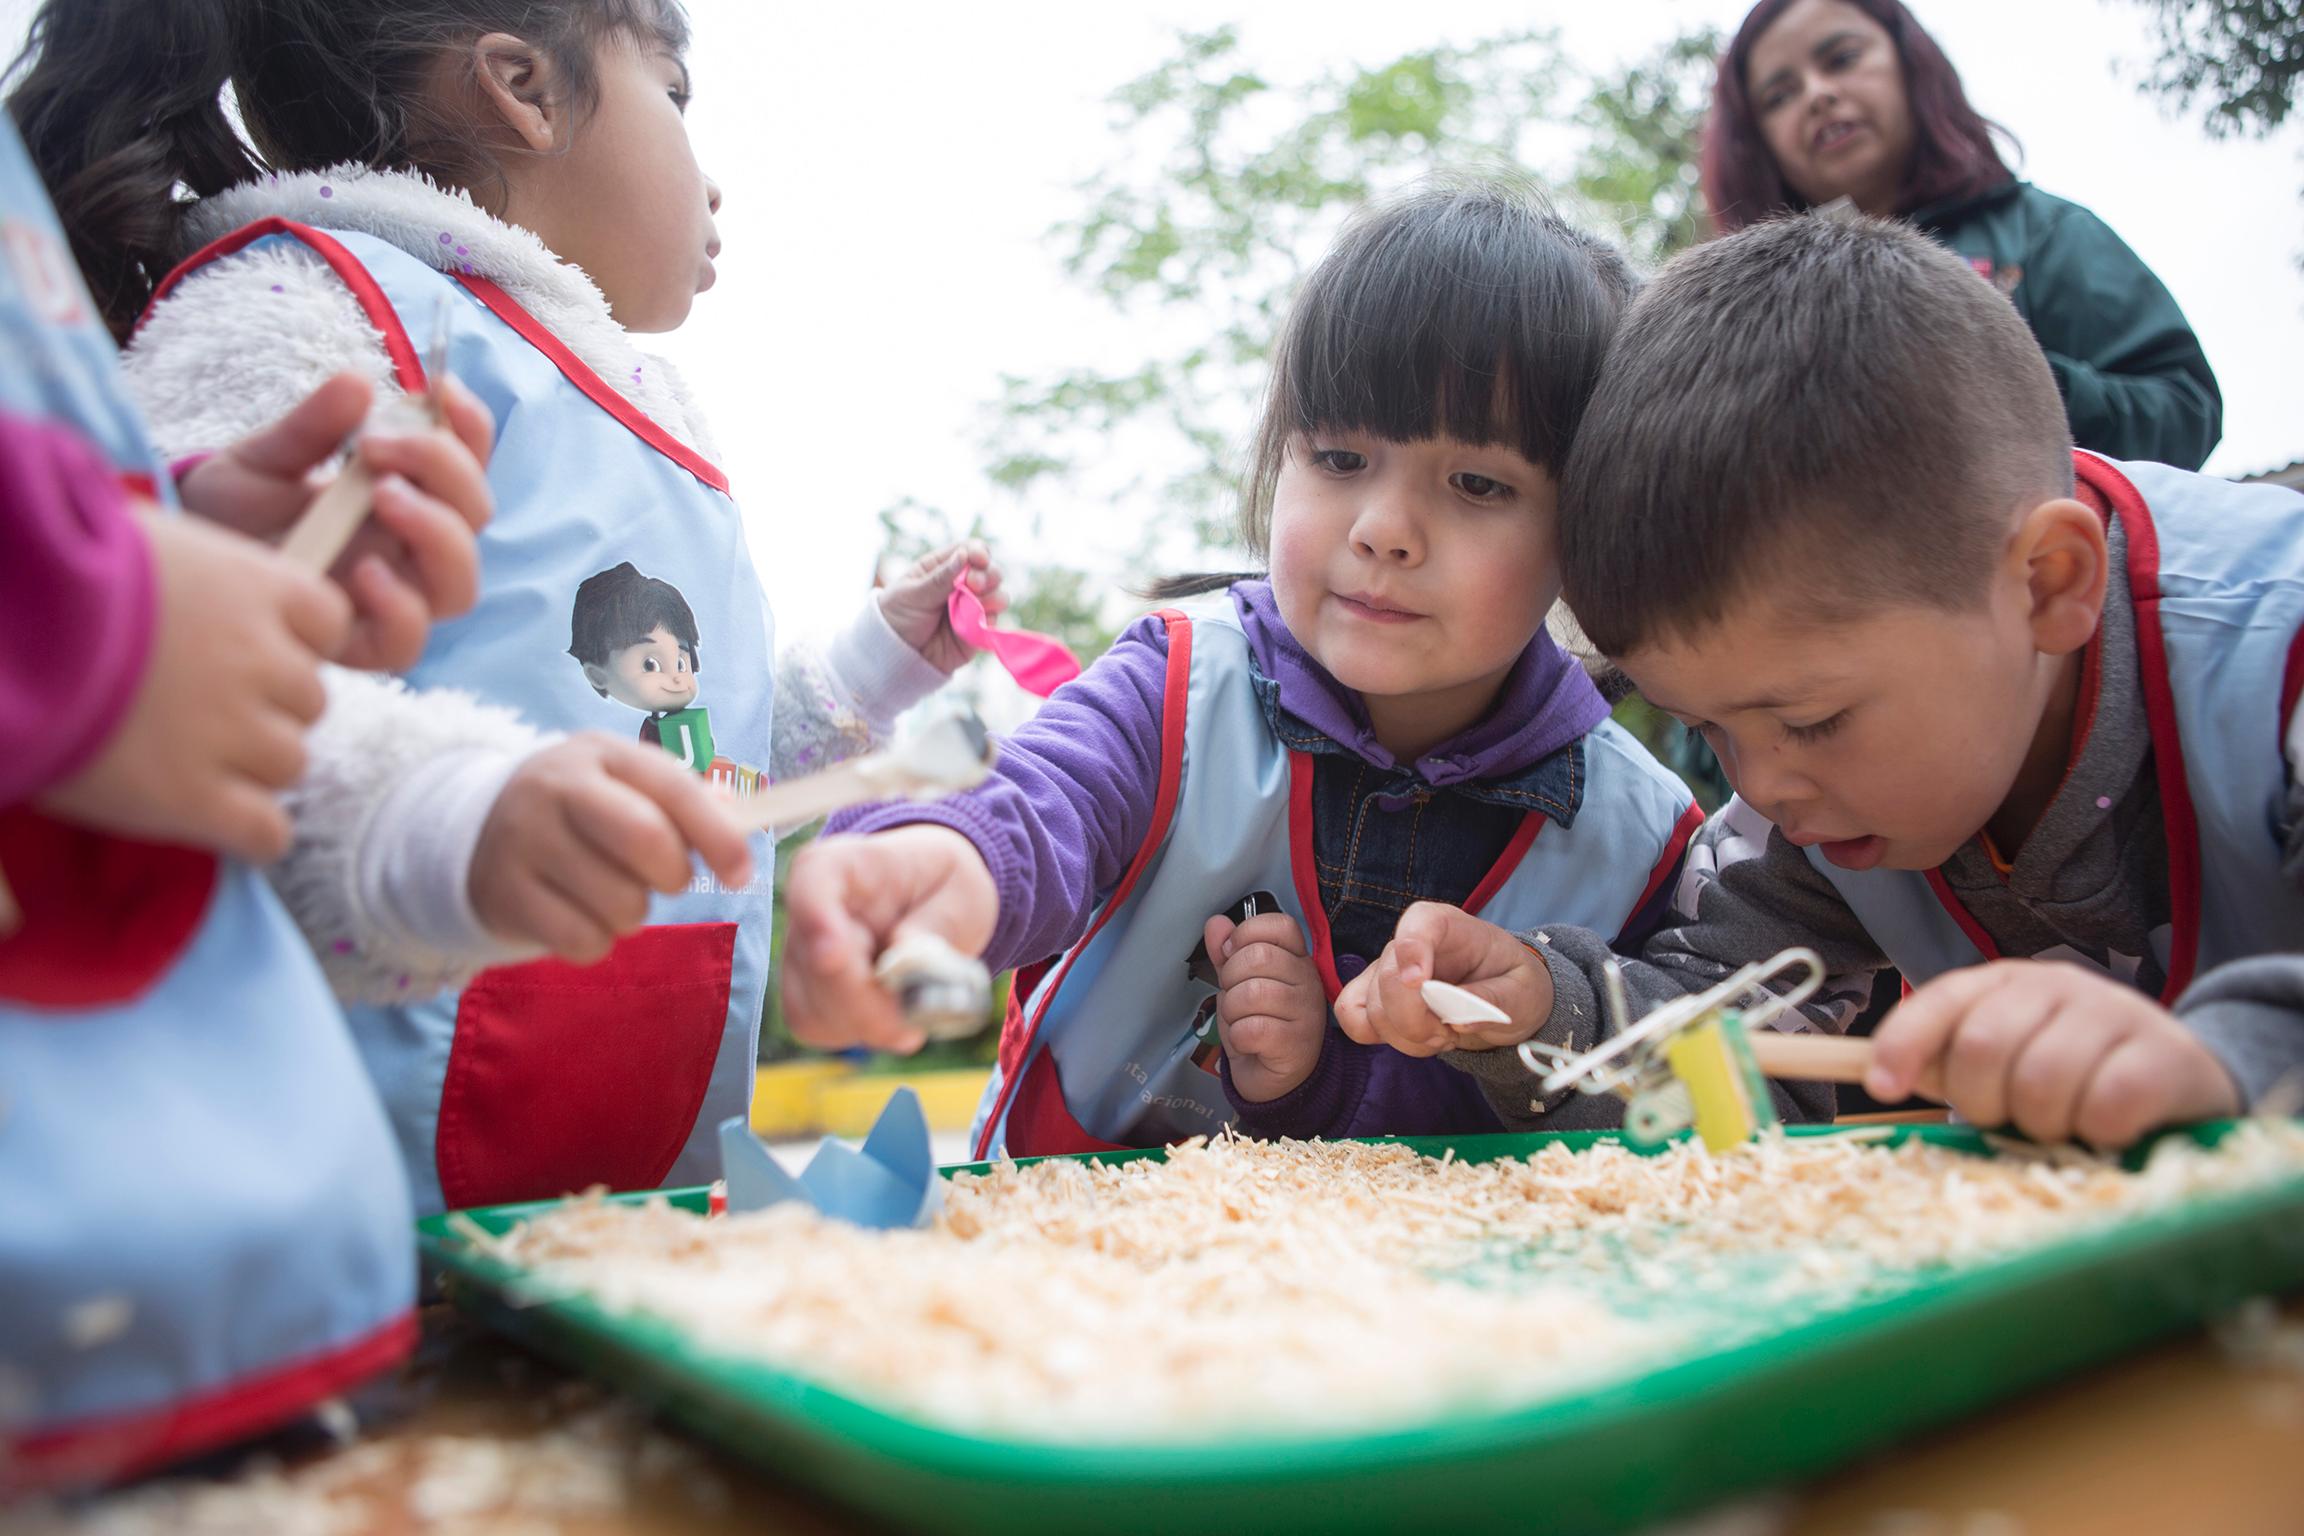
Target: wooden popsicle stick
1808	1058
334	516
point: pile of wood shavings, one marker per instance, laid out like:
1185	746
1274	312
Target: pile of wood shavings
1305	1284
592	1468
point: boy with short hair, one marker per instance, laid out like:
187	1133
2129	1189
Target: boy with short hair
1980	696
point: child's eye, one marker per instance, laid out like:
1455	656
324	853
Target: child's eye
651	664
1339	461
1480	487
1818	731
680	100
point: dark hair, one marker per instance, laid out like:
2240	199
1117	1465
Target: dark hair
620	607
1464	309
1952	150
1834	409
121	102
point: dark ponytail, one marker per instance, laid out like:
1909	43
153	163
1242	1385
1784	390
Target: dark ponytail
121	105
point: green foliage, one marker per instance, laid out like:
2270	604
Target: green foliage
2239	59
1223	186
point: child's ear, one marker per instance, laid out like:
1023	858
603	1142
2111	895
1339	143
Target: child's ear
597	676
2067	562
517	85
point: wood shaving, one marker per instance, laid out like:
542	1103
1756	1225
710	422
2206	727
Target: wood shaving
590	1468
1322	1287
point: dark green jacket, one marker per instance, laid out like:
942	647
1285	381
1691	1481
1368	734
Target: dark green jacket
2136	384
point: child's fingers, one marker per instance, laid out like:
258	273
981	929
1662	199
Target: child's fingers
830	997
1274	928
317	612
436	543
1352	1008
1981	1057
701	815
309	435
2127	1095
268	750
392	620
1408	1026
438	464
631	832
1911	1041
1250	961
2050	1075
248	822
546	915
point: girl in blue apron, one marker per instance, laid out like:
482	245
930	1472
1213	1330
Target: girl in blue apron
204	1228
540	187
1382	720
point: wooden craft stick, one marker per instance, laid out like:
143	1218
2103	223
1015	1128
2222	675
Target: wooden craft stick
1810	1058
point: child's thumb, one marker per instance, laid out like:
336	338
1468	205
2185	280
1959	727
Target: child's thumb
311	433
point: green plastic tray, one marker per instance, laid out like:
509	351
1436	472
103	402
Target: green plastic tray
1781	1407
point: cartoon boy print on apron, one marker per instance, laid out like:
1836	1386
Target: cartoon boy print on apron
636	639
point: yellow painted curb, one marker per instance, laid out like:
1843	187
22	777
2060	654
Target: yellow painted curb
784	1097
848	1107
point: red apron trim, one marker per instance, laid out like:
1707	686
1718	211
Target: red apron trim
104	918
1683	831
2291	683
2176	811
1174	699
91	1452
1959	913
407	369
573	368
562	1076
1523	838
1305	868
140	485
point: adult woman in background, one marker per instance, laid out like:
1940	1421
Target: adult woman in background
1824	99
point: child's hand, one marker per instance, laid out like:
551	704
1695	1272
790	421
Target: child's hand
913	604
581	834
1271	1013
2056	1049
414	561
1384	1006
847	899
216	729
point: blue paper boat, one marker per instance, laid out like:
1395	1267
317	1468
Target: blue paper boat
890	1181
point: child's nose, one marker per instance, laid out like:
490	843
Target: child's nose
711	195
1387	531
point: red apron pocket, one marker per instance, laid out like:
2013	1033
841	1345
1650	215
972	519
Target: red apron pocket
1040	1123
565	1076
103	918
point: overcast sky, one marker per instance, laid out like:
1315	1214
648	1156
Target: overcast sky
890	172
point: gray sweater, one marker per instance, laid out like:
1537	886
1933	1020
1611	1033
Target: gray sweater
2090	884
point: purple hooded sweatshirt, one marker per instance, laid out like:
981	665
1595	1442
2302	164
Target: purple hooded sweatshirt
1071	802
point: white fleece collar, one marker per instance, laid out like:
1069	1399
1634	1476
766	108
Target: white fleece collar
443	228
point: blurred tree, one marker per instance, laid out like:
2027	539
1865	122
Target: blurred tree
1224	186
2241	60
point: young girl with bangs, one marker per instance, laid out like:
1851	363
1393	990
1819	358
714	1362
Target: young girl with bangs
523	167
1824	99
1381	719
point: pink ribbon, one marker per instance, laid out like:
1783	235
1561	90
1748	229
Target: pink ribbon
1039	663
